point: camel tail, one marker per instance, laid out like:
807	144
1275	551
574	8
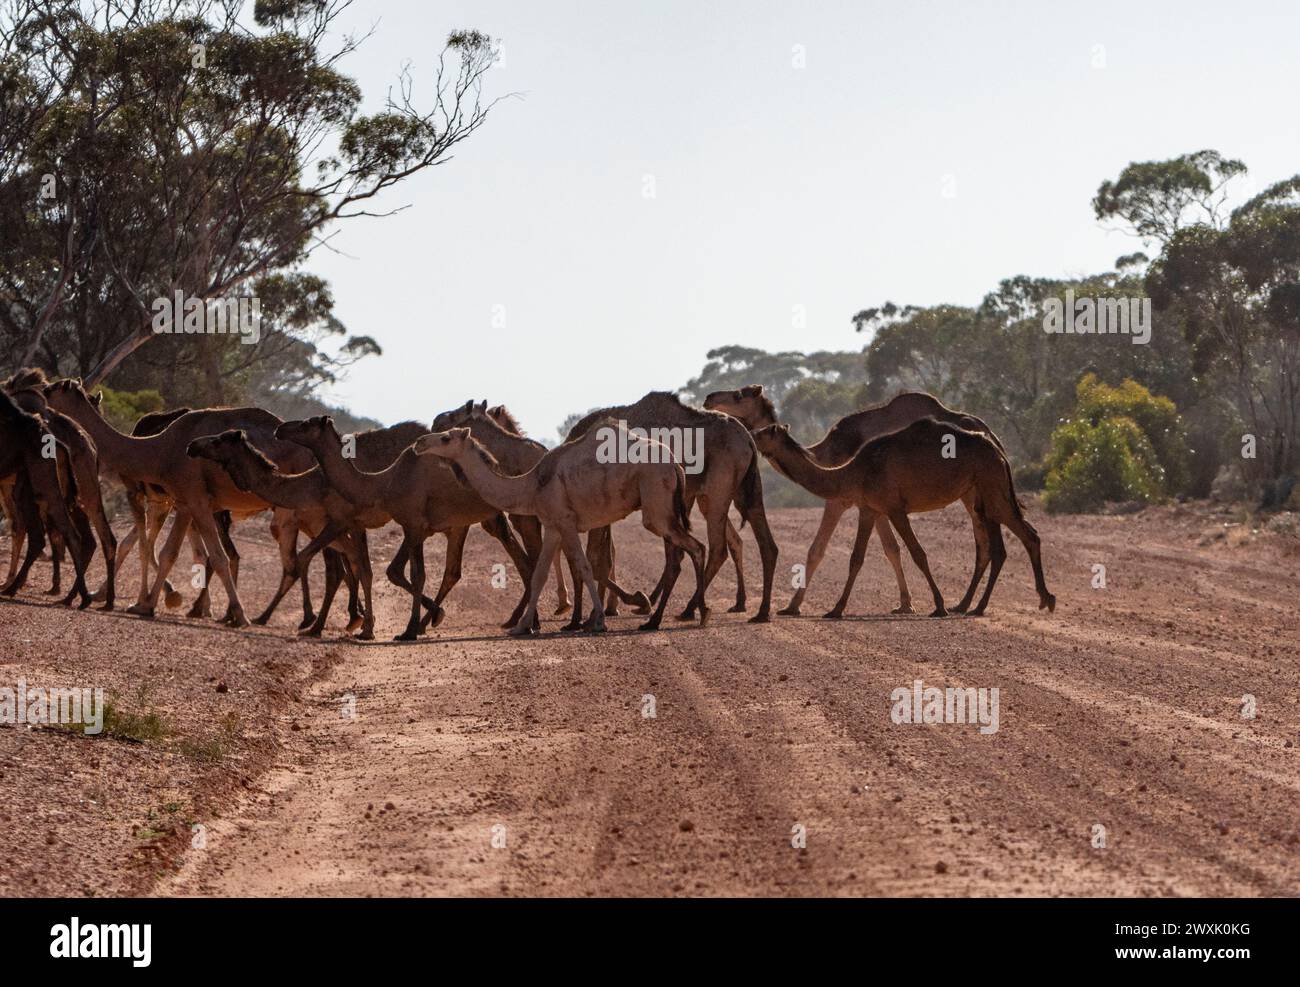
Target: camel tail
750	494
1017	504
679	500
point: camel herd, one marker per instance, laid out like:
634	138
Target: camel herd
210	467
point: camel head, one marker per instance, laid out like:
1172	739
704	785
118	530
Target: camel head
773	438
69	397
452	444
459	416
219	448
749	404
317	432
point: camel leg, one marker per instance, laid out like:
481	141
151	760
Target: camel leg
997	550
677	540
528	619
416	548
365	575
562	603
575	621
450	573
222	520
25	501
17	529
1008	512
668	579
890	546
155	517
202	605
499	529
980	529
334	565
866	524
716	522
81	553
292	564
351	574
530	534
573	548
904	527
181	522
108	544
397	575
756	515
209	530
736	549
57	554
831	514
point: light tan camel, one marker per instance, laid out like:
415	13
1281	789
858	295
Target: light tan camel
198	488
571	490
314	503
846	437
420	494
730	473
923	467
517	456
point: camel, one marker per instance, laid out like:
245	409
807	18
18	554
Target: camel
923	467
751	406
572	490
314	503
422	496
82	462
518	454
24	442
730	472
198	488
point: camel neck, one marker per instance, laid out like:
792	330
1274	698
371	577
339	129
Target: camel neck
512	494
798	464
296	492
362	489
127	455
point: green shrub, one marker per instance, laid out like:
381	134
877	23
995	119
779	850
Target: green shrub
1108	452
122	409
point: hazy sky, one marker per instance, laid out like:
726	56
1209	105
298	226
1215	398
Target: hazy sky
923	152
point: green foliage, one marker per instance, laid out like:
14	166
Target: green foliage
1122	444
123	409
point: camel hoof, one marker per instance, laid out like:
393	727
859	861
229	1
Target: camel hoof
433	619
977	612
408	635
572	627
518	631
833	615
611	611
704	616
366	636
938	612
685	615
262	619
141	610
312	631
53	591
738	607
107	607
354	623
595	628
198	613
762	617
173	599
649	625
640	603
560	609
1049	603
790	611
903	608
238	620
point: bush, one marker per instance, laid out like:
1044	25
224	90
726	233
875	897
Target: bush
1123	444
122	409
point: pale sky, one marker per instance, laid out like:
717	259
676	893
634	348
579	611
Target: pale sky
923	152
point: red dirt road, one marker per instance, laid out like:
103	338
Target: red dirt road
477	764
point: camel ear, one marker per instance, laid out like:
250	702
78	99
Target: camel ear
752	390
97	398
469	405
785	429
482	406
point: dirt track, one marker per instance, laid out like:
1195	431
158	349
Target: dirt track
1122	709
